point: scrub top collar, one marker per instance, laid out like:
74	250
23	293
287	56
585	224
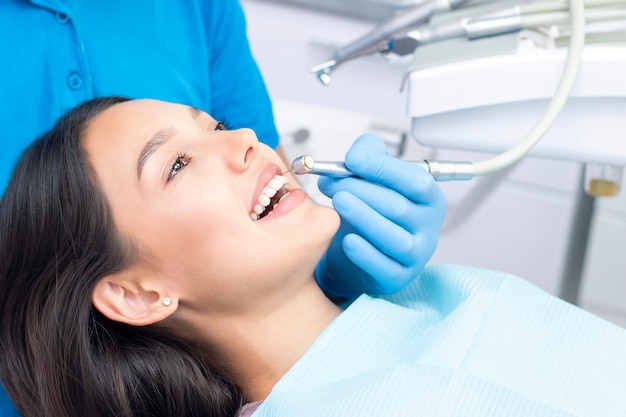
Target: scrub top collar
59	6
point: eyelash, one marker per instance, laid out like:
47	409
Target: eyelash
181	160
179	163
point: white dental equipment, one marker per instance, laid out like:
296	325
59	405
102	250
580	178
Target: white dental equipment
440	122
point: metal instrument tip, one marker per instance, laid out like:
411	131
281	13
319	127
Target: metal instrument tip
302	165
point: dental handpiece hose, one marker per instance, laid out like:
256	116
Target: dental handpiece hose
448	171
440	170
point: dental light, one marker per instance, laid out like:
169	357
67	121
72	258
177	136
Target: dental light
482	75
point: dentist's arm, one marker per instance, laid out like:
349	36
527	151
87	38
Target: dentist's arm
390	222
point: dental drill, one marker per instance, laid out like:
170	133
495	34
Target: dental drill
440	170
372	41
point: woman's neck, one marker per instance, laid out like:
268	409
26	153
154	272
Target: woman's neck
258	349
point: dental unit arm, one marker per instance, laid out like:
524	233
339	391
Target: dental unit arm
445	102
380	38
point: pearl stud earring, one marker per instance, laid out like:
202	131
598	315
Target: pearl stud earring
167	301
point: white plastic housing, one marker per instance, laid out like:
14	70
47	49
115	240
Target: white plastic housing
485	95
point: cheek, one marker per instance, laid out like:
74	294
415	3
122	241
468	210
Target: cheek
200	230
179	233
241	260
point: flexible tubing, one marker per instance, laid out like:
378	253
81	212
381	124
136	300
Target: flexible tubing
554	6
557	18
576	45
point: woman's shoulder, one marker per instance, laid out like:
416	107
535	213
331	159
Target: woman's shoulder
248	409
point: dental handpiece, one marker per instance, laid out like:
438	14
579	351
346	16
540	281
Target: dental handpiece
440	170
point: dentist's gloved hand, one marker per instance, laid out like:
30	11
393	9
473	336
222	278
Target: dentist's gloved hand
390	222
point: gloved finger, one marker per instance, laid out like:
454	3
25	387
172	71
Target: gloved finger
368	158
390	204
405	177
416	186
380	231
386	274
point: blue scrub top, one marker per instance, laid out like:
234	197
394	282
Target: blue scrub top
6	406
55	54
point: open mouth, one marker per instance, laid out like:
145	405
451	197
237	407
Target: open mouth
269	198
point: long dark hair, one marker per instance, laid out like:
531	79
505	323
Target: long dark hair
59	357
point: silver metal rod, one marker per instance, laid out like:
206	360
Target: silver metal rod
479	28
440	170
404	20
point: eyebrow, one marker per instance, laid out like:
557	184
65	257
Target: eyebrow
194	111
158	139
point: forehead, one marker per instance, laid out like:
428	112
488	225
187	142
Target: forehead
136	115
129	125
114	139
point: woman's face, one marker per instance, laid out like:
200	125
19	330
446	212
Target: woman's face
185	190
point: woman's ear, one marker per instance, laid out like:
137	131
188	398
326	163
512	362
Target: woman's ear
127	298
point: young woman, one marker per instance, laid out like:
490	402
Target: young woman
150	212
156	264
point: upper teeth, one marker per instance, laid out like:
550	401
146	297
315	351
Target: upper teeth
266	195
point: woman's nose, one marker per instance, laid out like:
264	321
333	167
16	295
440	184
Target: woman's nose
241	146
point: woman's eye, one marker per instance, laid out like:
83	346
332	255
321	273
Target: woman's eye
221	126
180	162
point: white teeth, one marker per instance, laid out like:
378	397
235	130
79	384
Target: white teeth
277	182
268	192
264	200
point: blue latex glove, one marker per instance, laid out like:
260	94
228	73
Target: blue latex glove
390	222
